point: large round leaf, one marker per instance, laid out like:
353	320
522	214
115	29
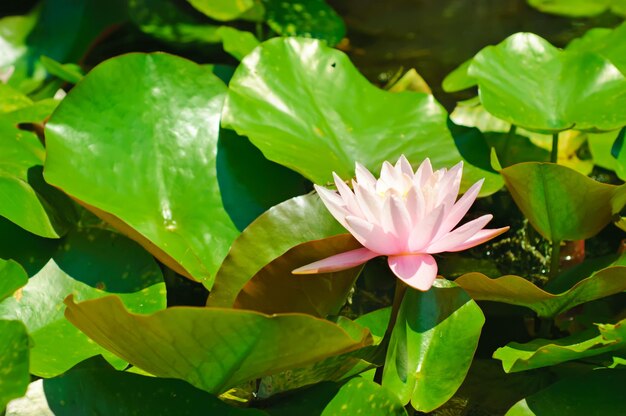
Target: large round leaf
14	345
12	277
100	258
136	141
530	83
559	202
307	107
434	338
516	290
214	349
278	230
579	8
609	43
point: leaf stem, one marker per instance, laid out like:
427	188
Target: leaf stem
555	259
554	155
384	344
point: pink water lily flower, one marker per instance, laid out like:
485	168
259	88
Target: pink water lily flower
406	216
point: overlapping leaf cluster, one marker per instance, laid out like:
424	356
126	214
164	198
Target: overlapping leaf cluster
154	169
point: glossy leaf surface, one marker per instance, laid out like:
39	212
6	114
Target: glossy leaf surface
12	277
57	344
530	83
442	322
159	146
559	202
516	290
307	107
14	345
211	348
278	230
542	352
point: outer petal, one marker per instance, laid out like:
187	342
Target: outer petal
403	166
479	238
423	173
364	177
458	236
372	236
338	262
416	270
347	195
450	184
458	211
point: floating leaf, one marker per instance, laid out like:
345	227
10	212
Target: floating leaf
14	346
57	344
559	202
528	82
310	18
274	289
25	198
342	120
441	323
93	384
354	397
159	147
579	8
211	348
283	227
12	277
598	392
610	43
543	352
516	290
225	10
238	43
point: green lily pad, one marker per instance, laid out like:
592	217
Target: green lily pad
579	8
225	10
238	43
528	82
14	345
307	107
543	352
12	277
559	202
610	43
67	72
309	19
214	349
443	322
278	230
25	198
598	392
57	344
159	147
93	384
274	289
516	290
357	396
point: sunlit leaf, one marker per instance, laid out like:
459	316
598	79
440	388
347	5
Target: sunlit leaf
443	322
559	202
543	352
211	348
516	290
95	258
159	147
307	107
226	9
14	347
12	277
528	82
